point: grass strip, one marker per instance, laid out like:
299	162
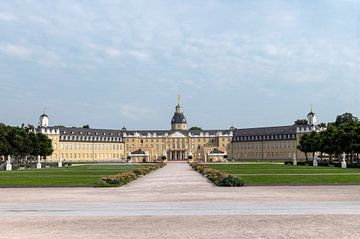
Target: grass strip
275	174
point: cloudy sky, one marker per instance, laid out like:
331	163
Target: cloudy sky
234	62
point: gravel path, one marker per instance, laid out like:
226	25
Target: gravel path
177	202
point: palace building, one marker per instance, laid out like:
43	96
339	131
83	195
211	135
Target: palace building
177	143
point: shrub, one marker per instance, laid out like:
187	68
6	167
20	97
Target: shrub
353	165
218	177
126	177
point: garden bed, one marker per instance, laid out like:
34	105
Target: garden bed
126	177
218	177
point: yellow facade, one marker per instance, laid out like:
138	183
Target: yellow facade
83	144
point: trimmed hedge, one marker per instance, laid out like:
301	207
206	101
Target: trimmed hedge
219	178
126	177
324	164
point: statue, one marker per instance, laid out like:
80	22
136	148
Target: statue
343	161
60	162
315	162
164	156
38	165
190	157
8	164
294	160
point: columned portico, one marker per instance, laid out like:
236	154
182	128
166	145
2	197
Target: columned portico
177	155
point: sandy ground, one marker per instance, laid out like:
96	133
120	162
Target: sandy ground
176	202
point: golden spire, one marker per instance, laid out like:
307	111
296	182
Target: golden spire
178	99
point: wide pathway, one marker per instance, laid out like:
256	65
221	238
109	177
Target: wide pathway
177	202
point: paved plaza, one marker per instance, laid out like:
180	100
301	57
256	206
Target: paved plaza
177	202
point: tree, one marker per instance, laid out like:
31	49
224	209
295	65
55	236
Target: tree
327	140
5	147
23	143
304	145
313	142
300	122
322	125
346	118
86	126
195	128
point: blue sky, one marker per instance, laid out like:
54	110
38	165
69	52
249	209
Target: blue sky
115	63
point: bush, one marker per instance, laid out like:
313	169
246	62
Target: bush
218	177
324	164
353	165
126	177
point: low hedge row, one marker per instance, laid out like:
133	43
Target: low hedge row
126	177
218	177
324	164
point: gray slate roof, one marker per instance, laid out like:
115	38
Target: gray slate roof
88	132
276	130
185	132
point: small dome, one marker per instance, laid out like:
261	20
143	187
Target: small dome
43	120
311	114
178	118
123	128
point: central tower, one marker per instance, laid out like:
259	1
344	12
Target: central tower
178	121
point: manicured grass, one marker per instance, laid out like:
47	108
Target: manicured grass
278	174
85	175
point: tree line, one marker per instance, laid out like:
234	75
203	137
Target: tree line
341	136
23	143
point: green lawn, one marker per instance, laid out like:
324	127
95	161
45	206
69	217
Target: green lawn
85	175
278	174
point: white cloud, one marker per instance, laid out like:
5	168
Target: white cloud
140	55
112	52
7	17
15	50
134	112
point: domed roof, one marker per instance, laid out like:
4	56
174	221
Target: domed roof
44	115
311	114
178	118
